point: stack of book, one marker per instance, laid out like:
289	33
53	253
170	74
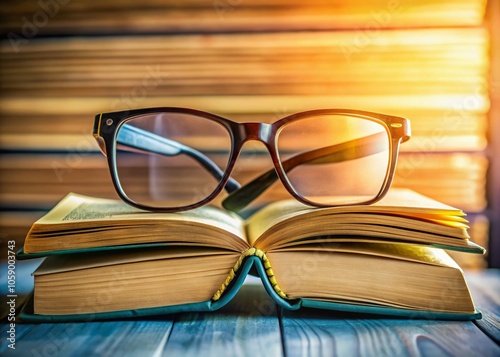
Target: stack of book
387	258
249	61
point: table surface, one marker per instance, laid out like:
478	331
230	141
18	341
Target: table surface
252	324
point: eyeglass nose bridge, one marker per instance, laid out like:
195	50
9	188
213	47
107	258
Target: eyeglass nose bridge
256	131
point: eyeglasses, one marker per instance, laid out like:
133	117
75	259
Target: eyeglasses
175	159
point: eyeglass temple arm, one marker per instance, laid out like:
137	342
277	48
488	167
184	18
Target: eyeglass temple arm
141	139
349	150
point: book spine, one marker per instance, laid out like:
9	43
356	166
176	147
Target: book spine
233	272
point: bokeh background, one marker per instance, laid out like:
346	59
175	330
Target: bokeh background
435	62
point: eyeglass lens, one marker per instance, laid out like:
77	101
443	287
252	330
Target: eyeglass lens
171	159
336	159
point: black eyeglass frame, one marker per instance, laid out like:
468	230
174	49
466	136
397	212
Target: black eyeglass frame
107	125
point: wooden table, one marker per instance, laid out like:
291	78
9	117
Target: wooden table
253	325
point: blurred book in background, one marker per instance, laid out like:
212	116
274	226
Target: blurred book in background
199	16
248	61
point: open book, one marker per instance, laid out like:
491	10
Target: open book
383	258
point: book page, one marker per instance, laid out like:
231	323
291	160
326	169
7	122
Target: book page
403	276
62	263
158	278
76	208
81	222
397	202
395	250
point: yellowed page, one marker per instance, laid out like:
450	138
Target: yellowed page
396	250
402	276
75	207
162	281
64	262
94	222
400	202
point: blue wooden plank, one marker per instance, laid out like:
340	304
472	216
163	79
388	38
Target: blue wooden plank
120	338
321	333
247	326
485	290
